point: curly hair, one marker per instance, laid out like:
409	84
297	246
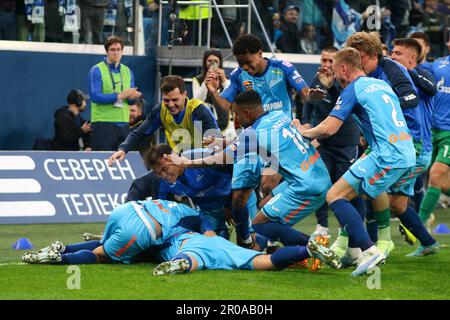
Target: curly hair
247	43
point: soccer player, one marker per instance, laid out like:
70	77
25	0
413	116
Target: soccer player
192	251
271	136
272	79
208	188
377	110
375	65
132	228
407	52
440	172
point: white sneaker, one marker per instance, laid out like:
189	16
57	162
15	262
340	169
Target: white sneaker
321	231
370	258
42	257
171	267
351	258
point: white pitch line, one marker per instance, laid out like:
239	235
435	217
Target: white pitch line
13	264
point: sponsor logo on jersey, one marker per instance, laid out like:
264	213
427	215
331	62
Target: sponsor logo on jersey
248	85
275	82
287	64
441	87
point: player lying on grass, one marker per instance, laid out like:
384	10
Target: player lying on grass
132	228
127	237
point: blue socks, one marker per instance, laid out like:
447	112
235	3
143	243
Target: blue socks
371	222
419	192
80	257
284	233
411	220
350	220
241	218
88	245
286	256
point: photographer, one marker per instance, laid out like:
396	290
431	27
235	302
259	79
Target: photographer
70	125
212	67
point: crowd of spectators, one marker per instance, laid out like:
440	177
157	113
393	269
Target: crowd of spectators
293	26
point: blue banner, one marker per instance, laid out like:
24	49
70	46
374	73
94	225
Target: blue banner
63	187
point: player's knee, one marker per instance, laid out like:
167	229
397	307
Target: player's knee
332	196
436	175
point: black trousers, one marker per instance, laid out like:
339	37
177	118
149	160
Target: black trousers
107	136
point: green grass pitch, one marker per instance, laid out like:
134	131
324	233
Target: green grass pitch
401	277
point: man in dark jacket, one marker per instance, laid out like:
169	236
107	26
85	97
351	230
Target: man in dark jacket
70	125
289	41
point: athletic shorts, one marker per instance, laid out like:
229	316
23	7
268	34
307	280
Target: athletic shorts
125	235
441	146
214	253
288	206
405	185
367	178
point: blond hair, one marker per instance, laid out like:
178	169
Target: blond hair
367	42
350	57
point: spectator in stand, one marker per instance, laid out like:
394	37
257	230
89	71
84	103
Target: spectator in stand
400	12
70	125
308	43
433	27
54	23
289	40
212	64
92	17
8	20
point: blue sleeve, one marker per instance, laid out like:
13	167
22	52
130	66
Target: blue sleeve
130	102
424	80
401	84
345	103
234	87
151	123
204	120
292	75
96	88
244	144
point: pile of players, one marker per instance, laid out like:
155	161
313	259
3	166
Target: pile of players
399	104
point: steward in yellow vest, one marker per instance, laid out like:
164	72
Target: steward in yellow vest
111	85
185	121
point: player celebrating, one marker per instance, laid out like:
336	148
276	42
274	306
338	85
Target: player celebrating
378	113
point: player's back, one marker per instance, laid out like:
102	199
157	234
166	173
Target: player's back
441	115
381	119
291	155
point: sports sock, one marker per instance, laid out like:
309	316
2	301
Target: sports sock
342	239
88	245
371	222
429	203
79	257
383	219
446	192
261	241
284	233
418	192
351	221
241	219
286	256
183	256
359	204
411	220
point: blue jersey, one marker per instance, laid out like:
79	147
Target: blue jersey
441	116
281	145
208	188
398	78
376	108
426	88
273	85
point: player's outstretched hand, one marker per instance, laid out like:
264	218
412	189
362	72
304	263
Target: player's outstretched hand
116	157
177	160
296	123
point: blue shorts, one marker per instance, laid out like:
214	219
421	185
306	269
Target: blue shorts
216	217
125	235
214	253
405	185
247	172
367	177
288	206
